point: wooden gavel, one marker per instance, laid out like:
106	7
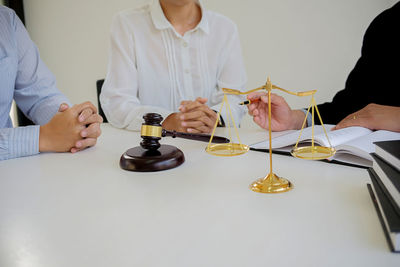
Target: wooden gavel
152	131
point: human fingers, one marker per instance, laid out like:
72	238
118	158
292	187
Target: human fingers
252	108
192	124
77	109
254	112
201	112
184	103
92	131
275	99
205	109
255	95
192	115
85	114
200	121
63	107
261	121
190	106
94	118
210	119
84	143
201	129
208	111
202	100
258	107
354	119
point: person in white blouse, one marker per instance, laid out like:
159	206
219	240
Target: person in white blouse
172	57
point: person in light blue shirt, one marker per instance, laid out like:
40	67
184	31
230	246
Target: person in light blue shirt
25	78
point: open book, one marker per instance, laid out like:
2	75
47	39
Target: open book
353	144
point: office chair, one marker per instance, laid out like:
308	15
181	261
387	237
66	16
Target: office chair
22	119
99	85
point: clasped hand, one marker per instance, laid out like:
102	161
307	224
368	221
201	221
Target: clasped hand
71	129
193	117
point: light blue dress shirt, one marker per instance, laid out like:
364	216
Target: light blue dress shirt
25	78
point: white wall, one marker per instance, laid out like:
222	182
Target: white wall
302	45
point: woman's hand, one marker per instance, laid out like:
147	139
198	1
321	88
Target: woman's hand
197	117
374	117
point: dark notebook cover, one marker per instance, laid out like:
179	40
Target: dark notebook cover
392	148
392	176
392	173
378	211
392	217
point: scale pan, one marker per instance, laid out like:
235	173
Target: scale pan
227	150
313	152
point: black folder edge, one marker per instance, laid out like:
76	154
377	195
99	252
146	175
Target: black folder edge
385	191
325	160
378	211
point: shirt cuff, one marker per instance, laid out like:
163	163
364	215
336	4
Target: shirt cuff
309	117
19	142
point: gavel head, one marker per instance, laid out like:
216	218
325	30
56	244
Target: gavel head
151	131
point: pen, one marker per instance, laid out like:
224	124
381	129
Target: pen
248	102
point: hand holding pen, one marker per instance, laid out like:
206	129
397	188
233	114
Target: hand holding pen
248	102
282	116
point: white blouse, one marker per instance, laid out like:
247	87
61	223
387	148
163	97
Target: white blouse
152	68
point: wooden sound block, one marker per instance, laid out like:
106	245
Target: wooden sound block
139	159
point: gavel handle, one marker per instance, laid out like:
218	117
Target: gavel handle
197	137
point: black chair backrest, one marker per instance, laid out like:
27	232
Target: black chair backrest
99	85
22	119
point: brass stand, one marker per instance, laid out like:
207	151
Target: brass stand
271	183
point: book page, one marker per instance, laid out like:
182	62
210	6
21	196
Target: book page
366	143
342	136
290	138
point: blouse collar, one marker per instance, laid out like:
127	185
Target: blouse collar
161	22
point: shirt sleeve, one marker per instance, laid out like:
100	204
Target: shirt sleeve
119	96
19	142
373	79
231	75
309	117
35	86
34	92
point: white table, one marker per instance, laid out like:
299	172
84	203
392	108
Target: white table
83	210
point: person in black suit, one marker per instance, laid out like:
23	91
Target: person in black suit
370	98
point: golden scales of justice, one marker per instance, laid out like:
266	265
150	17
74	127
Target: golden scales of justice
270	183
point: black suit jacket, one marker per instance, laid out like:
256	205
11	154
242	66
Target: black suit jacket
376	76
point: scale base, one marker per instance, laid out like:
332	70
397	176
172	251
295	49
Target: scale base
271	184
139	159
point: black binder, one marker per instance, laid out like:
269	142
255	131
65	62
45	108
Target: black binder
387	212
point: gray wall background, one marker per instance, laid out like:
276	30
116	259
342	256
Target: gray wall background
302	45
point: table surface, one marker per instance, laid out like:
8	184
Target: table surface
83	210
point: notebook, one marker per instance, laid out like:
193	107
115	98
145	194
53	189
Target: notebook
353	144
